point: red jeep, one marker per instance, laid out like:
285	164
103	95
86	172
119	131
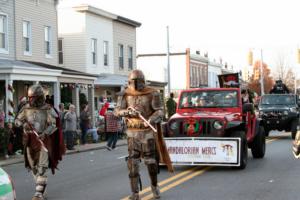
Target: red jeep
210	125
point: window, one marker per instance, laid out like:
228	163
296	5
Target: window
26	37
3	32
94	51
60	52
121	56
105	53
130	57
47	40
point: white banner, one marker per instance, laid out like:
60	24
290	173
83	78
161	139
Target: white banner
204	151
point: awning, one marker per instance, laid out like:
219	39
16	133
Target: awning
114	80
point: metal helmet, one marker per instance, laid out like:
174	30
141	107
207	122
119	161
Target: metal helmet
36	95
136	80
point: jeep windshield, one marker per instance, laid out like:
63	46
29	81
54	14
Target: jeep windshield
278	100
209	99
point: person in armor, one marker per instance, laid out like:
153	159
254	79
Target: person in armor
42	137
141	140
279	88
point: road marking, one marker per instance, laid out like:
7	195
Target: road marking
122	157
178	182
161	183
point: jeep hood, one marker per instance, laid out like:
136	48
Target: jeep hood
206	114
275	107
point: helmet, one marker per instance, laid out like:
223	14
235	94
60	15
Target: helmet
136	80
36	95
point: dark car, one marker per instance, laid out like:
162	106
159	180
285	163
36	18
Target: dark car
279	112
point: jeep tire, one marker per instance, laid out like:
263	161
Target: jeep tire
244	148
258	146
294	125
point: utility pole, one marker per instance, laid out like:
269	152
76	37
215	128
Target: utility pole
261	73
168	62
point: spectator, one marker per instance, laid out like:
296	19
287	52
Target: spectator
11	139
70	127
4	138
2	119
23	101
245	96
112	127
61	113
171	105
84	123
104	109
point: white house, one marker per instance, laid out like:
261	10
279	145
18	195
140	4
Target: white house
97	42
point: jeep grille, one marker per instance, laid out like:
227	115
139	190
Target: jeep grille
201	127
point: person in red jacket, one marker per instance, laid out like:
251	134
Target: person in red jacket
104	109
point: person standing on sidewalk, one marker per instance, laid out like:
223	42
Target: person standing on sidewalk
42	137
84	122
112	128
145	101
70	126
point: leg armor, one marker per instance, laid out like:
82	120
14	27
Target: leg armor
133	162
40	174
149	151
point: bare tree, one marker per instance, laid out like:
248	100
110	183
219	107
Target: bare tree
284	69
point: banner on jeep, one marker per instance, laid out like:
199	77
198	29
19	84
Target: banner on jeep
204	151
229	80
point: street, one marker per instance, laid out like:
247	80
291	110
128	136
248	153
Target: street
102	175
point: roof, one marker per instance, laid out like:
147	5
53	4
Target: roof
103	13
111	80
64	70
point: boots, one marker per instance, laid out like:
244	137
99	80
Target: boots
38	198
135	196
155	191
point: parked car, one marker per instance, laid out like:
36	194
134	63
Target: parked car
7	191
212	127
280	112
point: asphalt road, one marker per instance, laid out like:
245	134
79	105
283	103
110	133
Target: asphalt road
102	175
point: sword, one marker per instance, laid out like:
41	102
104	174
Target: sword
142	118
37	136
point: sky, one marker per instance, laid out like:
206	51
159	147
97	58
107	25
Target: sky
225	29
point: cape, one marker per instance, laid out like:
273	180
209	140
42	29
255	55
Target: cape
57	148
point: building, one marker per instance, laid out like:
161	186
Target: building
214	69
187	70
29	54
98	42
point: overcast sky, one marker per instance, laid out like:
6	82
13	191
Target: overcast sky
223	28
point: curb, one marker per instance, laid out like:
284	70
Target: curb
69	152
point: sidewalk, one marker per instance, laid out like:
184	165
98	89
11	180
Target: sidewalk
78	148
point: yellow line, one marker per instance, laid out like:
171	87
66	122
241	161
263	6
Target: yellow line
178	182
161	183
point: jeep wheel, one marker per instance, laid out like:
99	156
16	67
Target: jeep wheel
244	148
258	146
294	125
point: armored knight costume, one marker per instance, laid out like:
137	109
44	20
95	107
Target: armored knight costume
140	138
42	137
